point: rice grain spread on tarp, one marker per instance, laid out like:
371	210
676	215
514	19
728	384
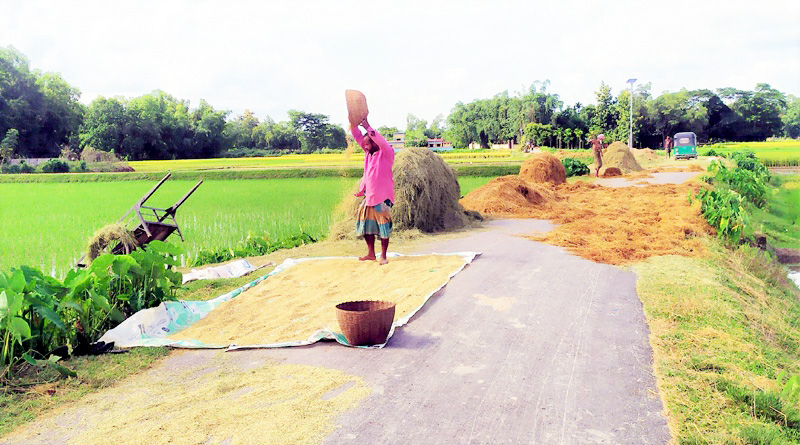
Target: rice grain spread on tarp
224	401
299	301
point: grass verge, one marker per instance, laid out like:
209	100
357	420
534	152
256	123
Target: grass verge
722	327
780	220
34	392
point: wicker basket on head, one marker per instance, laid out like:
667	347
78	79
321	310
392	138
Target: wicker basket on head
365	322
357	109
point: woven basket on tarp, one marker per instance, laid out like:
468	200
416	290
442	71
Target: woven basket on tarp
365	322
357	109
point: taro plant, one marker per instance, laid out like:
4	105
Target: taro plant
574	167
29	314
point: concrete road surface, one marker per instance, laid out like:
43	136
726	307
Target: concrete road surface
529	344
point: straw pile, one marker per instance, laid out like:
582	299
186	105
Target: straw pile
627	224
618	155
543	167
604	224
426	192
646	153
294	304
110	236
509	196
611	172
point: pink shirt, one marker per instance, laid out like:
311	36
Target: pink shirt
377	185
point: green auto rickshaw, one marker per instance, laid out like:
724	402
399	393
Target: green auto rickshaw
685	145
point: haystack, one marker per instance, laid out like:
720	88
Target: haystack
426	192
509	196
646	153
611	172
110	236
543	167
619	155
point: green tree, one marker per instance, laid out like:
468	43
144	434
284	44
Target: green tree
8	145
415	131
605	115
539	134
315	132
791	119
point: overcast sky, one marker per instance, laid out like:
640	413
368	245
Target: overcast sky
417	57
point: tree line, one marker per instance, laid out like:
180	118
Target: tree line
40	115
541	117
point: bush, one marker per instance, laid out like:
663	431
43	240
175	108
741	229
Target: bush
711	152
26	168
745	182
41	313
575	167
55	166
748	161
249	153
10	168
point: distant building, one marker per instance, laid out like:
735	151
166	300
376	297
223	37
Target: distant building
398	140
437	144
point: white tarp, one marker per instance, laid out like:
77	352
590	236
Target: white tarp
234	269
151	327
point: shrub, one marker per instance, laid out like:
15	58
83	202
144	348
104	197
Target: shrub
26	168
746	182
723	209
748	161
10	168
41	313
575	167
55	166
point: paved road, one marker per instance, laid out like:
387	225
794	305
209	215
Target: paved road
528	344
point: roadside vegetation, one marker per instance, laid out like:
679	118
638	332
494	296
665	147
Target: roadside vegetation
725	329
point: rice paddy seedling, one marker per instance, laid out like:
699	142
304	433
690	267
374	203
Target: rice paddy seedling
47	225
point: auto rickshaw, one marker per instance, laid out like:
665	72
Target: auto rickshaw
685	145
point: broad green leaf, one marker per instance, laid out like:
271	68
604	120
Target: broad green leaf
27	357
50	314
17	282
62	369
116	315
99	300
20	327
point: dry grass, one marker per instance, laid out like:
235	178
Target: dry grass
543	168
222	402
608	225
108	236
510	196
295	303
619	156
426	191
729	317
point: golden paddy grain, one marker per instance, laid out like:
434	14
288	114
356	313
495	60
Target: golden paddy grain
295	303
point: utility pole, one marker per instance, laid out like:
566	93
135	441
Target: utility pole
630	129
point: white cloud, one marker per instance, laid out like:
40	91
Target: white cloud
408	57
